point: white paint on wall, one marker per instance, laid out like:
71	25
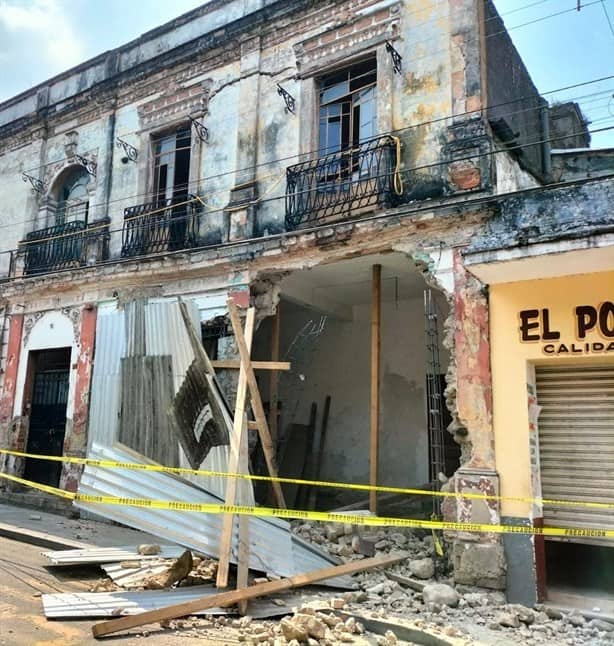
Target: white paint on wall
53	330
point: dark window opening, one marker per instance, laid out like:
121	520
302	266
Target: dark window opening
212	331
73	198
348	107
171	181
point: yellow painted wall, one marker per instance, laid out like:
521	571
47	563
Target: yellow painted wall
510	357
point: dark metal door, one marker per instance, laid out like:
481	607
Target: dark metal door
47	425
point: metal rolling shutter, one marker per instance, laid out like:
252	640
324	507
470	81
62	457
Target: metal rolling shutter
576	443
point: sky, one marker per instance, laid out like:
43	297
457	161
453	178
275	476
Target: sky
41	38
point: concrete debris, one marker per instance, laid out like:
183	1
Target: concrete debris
422	568
417	590
175	573
441	594
149	549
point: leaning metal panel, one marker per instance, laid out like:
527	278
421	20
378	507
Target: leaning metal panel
339	184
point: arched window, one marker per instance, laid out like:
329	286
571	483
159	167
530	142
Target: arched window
73	197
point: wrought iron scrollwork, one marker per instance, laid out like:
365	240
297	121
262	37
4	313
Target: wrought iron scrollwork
397	59
89	164
288	99
201	130
131	152
161	225
61	246
36	184
341	184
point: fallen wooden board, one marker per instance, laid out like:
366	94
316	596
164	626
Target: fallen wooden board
96	555
33	537
235	364
229	598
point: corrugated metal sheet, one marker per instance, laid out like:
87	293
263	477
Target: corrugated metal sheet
273	549
98	555
576	443
113	604
105	395
133	577
117	604
164	335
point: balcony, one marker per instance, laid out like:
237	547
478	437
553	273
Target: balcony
159	226
62	246
342	184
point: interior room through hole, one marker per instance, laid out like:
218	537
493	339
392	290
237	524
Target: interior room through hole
325	319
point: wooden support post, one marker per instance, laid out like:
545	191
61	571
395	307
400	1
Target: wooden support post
263	427
234	596
274	379
237	462
376	295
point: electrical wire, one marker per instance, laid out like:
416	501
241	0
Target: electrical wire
607	17
200	180
104	227
428	40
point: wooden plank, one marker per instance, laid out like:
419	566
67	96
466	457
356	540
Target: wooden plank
274	378
376	294
234	596
303	491
313	492
234	364
263	427
240	421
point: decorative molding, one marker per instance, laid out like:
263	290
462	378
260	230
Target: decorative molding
29	321
73	314
339	43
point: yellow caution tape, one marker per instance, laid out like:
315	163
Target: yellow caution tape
321	516
111	464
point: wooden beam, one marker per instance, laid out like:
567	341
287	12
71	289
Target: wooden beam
235	462
376	297
274	378
232	364
234	596
263	427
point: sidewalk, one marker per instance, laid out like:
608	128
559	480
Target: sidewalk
55	531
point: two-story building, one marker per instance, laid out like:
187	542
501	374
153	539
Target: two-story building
329	162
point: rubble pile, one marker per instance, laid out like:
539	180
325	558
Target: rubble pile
352	542
419	589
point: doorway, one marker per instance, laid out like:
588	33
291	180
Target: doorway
50	370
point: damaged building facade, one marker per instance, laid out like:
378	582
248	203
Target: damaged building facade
335	164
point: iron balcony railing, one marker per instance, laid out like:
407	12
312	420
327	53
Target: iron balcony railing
342	183
62	246
160	225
